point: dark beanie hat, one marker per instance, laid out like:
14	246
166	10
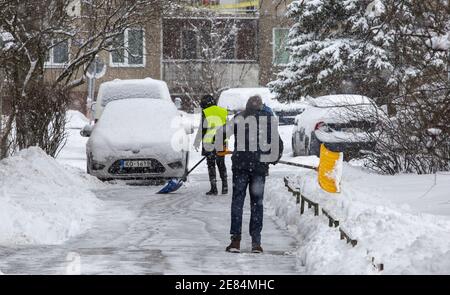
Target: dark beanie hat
207	101
254	103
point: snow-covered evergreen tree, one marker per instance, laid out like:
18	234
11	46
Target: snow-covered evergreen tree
330	49
371	47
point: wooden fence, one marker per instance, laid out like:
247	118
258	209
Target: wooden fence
333	221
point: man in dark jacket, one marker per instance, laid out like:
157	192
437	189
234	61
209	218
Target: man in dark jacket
257	144
213	118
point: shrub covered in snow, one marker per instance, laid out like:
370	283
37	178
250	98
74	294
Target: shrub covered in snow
42	202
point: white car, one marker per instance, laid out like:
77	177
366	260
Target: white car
133	88
342	122
235	100
138	139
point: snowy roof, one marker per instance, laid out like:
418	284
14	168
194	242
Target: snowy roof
235	99
133	88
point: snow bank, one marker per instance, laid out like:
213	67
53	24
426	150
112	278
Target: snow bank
401	221
43	202
74	151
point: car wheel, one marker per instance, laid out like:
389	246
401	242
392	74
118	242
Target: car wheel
314	146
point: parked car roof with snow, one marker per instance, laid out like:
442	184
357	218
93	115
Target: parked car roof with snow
127	89
340	100
235	99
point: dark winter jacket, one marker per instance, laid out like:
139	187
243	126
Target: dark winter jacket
248	160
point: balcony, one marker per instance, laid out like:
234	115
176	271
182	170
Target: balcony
228	6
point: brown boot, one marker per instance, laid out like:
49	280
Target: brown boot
235	246
257	249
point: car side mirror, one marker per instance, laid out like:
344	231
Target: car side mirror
87	131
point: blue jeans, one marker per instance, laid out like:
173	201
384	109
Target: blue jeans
242	180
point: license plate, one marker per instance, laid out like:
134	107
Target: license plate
137	164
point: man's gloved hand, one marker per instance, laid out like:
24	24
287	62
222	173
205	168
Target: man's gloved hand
224	152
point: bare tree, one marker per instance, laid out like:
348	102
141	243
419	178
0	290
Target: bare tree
81	30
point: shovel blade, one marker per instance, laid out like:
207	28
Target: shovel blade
330	170
172	186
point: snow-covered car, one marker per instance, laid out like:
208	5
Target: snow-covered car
344	123
235	100
128	89
138	139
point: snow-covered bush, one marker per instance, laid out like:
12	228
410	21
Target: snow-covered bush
415	139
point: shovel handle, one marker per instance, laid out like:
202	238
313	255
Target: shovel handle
298	165
193	168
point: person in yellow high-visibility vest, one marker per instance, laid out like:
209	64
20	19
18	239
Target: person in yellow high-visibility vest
213	118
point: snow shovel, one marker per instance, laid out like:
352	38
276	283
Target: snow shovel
329	170
175	184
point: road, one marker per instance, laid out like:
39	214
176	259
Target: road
140	232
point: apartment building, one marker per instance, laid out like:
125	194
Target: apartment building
273	32
171	48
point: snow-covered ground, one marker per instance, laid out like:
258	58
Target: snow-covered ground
401	221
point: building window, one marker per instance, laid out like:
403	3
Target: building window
181	42
281	55
58	55
129	49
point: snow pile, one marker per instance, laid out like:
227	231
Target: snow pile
43	202
401	221
74	151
